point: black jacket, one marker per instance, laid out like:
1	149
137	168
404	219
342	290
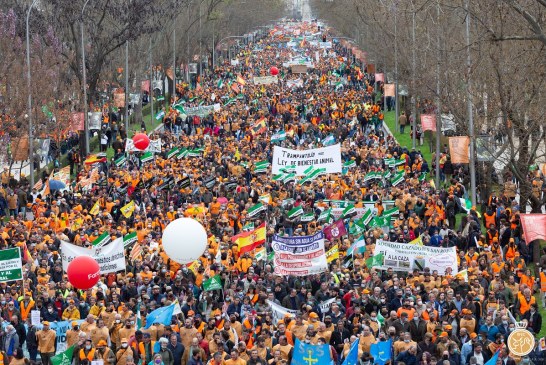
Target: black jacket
338	339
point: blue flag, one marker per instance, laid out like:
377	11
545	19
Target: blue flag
493	359
352	356
161	315
381	352
305	354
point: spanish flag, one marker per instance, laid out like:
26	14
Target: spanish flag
248	241
241	81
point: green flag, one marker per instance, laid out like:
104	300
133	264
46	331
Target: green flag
296	211
172	153
380	318
398	178
325	215
138	317
64	358
120	161
288	178
248	227
376	260
102	240
350	209
129	239
213	283
252	211
261	167
307	217
147	157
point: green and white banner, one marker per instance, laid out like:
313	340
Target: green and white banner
11	266
328	158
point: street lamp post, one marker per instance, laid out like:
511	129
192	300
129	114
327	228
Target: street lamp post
472	161
29	83
84	76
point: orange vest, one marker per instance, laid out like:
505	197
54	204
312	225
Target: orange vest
525	305
90	355
25	311
490	219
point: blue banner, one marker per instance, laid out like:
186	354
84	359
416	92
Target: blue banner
381	352
306	354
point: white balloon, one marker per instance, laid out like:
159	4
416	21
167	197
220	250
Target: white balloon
184	240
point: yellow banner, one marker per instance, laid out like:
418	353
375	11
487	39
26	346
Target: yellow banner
128	209
332	254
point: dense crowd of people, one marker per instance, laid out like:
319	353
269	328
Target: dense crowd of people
431	317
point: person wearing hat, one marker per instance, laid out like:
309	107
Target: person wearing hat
125	352
72	334
87	353
26	305
105	353
46	343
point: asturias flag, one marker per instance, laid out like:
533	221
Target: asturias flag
381	352
306	354
248	241
352	356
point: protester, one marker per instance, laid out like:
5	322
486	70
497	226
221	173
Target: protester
213	165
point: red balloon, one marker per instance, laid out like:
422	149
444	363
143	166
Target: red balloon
274	71
141	141
83	272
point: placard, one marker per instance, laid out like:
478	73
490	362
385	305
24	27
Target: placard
406	257
119	100
458	149
428	122
110	257
265	80
11	266
325	157
94	120
35	317
299	255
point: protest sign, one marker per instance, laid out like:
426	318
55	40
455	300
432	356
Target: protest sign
154	146
110	257
278	311
458	149
325	157
35	317
203	110
265	80
11	266
406	257
299	256
428	122
94	120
